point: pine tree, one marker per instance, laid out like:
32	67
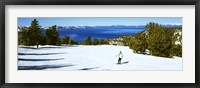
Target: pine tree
87	41
95	42
71	42
35	35
66	40
56	36
101	42
24	36
159	40
52	36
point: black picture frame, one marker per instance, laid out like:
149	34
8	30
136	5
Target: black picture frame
98	2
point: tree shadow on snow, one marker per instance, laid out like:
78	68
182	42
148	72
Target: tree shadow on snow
73	46
21	59
39	47
41	67
38	53
66	45
88	68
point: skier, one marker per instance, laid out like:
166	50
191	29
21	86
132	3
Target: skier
120	55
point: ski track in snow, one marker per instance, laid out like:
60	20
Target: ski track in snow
83	57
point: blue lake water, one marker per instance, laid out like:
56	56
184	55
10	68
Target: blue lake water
80	34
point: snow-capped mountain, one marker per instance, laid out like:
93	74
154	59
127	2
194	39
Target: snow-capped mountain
106	26
115	26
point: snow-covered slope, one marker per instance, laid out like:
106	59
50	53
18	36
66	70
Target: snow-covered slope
83	57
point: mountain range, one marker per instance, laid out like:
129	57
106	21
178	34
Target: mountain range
63	28
112	27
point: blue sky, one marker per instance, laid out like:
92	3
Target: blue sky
75	21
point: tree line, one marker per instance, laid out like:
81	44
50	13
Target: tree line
34	35
89	41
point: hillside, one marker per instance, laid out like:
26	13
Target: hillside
83	57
